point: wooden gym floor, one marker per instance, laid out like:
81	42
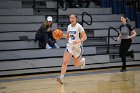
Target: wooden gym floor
92	81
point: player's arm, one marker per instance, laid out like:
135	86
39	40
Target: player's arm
83	38
133	34
66	36
119	37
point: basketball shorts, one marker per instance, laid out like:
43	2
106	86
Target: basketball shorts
75	50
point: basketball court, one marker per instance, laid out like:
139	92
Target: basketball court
28	66
91	81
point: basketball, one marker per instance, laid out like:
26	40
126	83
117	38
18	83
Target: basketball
57	34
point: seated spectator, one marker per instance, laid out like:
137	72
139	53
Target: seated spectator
44	35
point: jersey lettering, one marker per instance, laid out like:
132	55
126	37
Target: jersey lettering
72	35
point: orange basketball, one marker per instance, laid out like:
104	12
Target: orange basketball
57	34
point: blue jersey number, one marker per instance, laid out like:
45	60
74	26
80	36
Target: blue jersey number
72	37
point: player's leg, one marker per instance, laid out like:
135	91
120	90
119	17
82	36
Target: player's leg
122	54
79	62
66	59
76	62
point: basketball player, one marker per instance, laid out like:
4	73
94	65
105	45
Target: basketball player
127	33
75	36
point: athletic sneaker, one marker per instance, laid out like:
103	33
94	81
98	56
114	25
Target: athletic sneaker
123	70
82	66
48	46
56	46
60	80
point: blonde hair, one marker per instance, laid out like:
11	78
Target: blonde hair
45	24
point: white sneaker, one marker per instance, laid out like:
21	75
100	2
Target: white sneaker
56	46
48	47
82	66
60	80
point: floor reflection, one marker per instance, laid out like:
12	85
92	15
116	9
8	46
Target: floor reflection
126	82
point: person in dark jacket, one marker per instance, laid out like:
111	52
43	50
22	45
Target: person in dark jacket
127	33
44	34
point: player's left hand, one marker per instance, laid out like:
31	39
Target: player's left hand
77	41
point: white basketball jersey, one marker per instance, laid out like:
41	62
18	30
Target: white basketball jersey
74	32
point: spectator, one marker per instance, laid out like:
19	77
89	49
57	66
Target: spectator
44	35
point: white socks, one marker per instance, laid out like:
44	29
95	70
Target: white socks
61	76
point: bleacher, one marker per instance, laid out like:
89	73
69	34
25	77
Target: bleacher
19	54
